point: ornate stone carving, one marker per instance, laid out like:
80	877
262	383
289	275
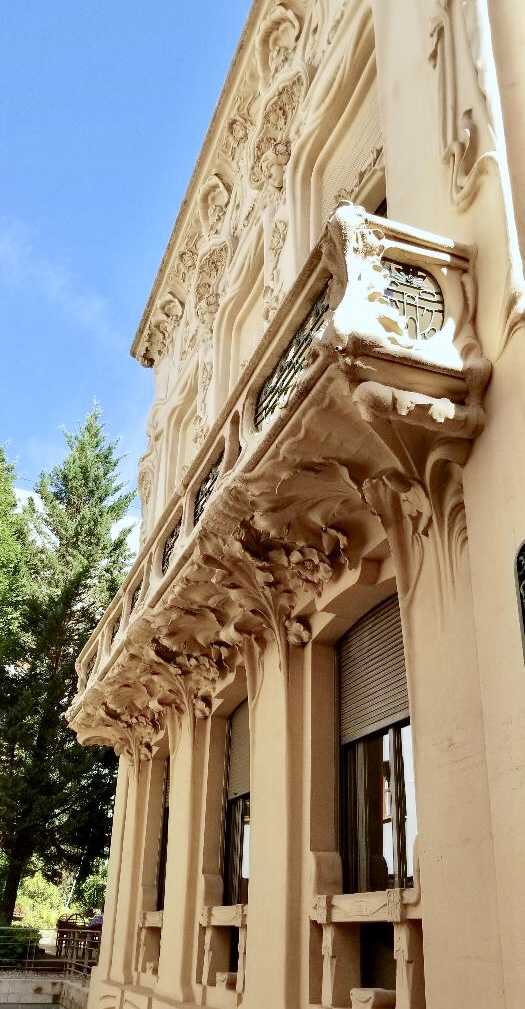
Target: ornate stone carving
210	270
276	41
363	315
167	315
272	144
213	203
272	292
186	260
459	131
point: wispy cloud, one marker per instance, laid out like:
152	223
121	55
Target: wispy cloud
22	264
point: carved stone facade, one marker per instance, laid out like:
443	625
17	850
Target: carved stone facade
337	419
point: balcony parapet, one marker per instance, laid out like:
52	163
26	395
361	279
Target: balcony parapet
381	321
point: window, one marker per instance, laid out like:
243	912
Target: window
163	845
378	815
237	830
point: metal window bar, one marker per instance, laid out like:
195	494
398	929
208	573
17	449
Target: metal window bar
169	546
520	582
206	488
414	292
281	381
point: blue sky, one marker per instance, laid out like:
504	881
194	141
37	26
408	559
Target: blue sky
104	108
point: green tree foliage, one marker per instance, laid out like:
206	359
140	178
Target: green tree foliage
89	894
15	569
55	796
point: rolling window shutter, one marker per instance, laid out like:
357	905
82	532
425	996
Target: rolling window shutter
372	676
239	770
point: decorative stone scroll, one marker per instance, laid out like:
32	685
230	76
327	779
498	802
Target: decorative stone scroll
167	315
276	41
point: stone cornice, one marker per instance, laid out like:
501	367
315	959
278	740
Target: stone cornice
298	498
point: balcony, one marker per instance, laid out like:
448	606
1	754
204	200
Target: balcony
379	322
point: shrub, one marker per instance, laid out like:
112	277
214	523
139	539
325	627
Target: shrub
16	942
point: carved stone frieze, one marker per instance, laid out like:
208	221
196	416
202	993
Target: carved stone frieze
272	147
209	273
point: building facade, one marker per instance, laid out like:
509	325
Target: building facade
314	672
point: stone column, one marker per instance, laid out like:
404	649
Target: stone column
274	912
426	526
126	915
101	971
176	979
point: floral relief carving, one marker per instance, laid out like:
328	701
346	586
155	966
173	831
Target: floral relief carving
272	292
272	145
186	260
206	294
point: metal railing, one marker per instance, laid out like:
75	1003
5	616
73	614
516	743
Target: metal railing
78	949
74	953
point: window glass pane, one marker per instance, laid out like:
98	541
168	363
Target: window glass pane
410	796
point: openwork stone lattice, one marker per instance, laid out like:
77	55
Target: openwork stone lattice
115	627
135	596
205	490
418	296
169	544
282	379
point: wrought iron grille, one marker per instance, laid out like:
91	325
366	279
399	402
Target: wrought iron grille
520	577
167	550
91	665
115	628
135	596
281	381
204	492
418	296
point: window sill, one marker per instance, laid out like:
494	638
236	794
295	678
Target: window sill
225	915
152	919
378	905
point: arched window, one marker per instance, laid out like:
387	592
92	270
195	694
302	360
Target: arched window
378	814
237	827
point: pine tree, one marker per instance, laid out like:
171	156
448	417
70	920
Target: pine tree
55	797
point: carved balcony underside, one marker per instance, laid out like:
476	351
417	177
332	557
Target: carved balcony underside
368	439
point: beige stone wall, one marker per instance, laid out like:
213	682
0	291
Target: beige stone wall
395	465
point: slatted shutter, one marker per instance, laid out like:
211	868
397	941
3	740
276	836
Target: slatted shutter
373	686
239	769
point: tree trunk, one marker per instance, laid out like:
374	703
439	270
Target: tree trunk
15	871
